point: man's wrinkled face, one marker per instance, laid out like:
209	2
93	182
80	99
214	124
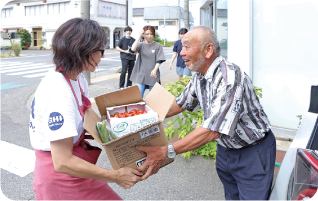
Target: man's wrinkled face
191	51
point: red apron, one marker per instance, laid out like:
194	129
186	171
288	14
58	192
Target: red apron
51	185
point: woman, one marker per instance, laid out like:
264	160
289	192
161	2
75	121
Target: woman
181	69
146	70
65	163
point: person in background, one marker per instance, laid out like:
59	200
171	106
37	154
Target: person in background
181	69
233	117
146	70
127	58
65	162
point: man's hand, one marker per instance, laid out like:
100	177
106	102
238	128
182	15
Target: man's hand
155	158
127	51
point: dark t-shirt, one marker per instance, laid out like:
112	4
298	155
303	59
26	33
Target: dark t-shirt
124	43
177	48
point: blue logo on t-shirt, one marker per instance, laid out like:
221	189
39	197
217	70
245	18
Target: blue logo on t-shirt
56	121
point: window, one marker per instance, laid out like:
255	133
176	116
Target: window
173	23
112	10
6	13
57	8
34	10
14	35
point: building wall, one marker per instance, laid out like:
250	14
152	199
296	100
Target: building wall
50	22
274	42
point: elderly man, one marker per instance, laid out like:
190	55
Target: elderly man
233	116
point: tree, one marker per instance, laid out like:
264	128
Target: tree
25	37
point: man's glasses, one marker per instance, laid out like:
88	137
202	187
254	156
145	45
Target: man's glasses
102	51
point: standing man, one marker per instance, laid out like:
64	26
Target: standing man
181	69
127	58
233	116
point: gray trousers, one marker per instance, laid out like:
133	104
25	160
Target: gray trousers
247	173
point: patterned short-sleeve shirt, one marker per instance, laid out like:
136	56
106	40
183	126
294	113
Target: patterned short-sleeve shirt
229	102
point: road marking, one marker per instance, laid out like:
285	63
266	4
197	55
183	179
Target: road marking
10	85
21	65
29	56
29	68
15	159
110	59
9	66
35	75
32	71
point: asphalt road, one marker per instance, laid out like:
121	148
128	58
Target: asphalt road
194	179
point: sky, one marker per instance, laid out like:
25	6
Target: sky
194	6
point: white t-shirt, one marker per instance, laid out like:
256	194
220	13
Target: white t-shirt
54	111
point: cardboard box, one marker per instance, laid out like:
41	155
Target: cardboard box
121	152
123	126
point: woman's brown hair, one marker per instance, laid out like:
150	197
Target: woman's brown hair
148	27
74	42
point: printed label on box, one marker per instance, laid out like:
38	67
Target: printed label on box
140	162
149	131
141	124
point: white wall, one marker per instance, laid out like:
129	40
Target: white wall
240	34
285	58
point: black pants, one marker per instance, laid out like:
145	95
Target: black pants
126	65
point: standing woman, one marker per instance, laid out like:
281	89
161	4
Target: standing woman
65	163
181	69
146	70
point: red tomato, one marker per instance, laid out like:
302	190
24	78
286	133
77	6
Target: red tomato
133	111
112	116
121	115
139	111
144	112
126	114
129	115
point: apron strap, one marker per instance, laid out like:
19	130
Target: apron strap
82	109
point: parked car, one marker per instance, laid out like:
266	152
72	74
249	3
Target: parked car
297	178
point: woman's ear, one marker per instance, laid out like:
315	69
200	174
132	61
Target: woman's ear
209	48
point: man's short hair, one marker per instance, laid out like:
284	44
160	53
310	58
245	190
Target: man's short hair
183	31
209	36
128	28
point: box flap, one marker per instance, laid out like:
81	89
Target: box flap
160	100
90	120
122	97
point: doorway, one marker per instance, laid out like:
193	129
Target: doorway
37	37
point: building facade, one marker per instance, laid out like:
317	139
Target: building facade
167	20
274	43
42	19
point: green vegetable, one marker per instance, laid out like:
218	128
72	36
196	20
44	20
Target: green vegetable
101	130
110	133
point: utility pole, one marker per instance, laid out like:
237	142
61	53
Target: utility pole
186	14
85	14
126	12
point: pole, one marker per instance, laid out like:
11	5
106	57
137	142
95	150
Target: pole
85	14
186	14
126	12
164	27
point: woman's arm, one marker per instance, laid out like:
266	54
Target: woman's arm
65	162
135	44
154	71
172	59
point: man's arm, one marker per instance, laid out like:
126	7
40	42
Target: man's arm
156	155
175	109
172	59
121	50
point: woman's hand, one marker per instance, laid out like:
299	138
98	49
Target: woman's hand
141	32
127	177
153	73
170	66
